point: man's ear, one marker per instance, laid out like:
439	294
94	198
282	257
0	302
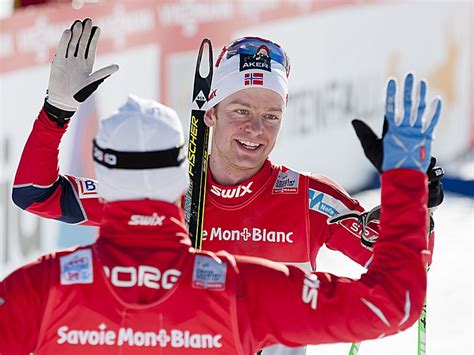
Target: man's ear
210	117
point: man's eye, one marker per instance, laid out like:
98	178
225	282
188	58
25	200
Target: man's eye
242	111
273	117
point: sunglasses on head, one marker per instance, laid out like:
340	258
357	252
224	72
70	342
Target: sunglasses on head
256	46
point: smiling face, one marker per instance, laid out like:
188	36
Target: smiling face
245	128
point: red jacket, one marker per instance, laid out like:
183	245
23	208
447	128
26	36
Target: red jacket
278	214
141	289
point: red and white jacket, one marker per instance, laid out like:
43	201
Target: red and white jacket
141	289
277	214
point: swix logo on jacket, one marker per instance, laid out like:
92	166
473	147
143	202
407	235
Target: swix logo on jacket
249	234
160	338
139	220
232	192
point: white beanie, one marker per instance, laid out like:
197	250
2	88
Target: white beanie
233	74
139	153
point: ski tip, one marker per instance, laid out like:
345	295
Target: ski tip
204	69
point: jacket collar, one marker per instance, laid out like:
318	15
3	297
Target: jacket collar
240	193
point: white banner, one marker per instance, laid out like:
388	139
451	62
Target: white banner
341	52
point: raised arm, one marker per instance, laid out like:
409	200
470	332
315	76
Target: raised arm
38	186
354	221
297	308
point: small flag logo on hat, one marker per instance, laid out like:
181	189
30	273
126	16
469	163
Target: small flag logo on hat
253	79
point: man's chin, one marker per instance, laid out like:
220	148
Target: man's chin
250	163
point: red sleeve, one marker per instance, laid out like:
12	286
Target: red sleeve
294	308
40	189
327	200
23	296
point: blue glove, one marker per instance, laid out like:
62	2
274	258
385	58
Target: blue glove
407	143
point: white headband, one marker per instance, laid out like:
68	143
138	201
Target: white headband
230	77
141	126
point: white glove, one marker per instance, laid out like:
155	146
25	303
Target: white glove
71	80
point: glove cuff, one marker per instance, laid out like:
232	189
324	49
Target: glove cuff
57	115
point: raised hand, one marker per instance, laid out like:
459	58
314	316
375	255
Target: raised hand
407	142
374	147
71	79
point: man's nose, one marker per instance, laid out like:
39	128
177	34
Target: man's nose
254	125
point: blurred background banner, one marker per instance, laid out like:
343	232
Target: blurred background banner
342	52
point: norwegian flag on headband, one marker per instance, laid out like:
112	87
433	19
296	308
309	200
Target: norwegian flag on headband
253	79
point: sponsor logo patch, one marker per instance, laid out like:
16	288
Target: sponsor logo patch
249	234
108	158
209	273
286	182
142	276
87	188
325	204
352	225
250	61
122	337
199	101
76	268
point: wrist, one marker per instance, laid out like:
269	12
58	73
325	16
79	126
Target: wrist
57	115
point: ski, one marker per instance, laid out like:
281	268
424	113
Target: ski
198	149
